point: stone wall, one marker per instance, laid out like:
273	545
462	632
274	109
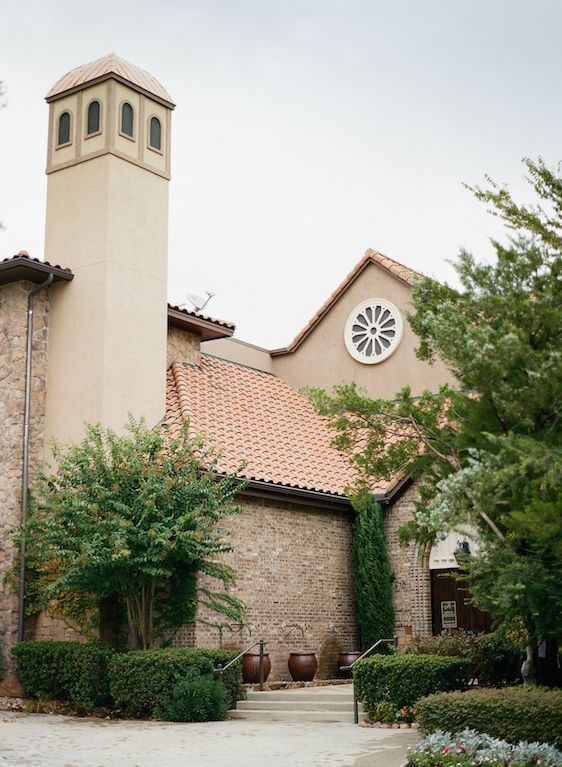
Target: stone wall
183	347
412	586
293	565
13	331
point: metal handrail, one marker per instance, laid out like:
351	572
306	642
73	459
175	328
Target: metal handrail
221	669
393	641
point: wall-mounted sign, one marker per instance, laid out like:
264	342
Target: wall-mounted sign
449	615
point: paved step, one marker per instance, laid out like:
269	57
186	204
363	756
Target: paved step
294	705
311	704
309	696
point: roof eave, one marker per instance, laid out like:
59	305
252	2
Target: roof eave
111	76
206	329
271	490
260	488
18	269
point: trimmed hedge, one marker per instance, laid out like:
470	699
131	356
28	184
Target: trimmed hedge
142	682
73	671
404	679
139	682
514	713
495	660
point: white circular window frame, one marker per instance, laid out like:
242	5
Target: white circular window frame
351	321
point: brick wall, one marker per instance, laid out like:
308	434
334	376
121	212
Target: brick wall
412	588
294	566
13	331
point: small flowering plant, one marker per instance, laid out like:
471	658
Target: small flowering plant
473	749
388	713
407	714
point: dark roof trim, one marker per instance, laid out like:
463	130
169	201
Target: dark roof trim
317	498
287	494
206	327
389	497
31	269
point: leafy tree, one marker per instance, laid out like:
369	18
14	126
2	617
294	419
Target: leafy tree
132	517
372	575
489	451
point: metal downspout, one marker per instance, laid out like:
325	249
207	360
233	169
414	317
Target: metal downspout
25	465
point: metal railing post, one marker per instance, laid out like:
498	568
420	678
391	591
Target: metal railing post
393	641
261	665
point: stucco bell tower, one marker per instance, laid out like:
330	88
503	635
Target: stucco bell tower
108	167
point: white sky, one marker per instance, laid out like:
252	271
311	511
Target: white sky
305	132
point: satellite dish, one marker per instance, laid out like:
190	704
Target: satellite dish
199	302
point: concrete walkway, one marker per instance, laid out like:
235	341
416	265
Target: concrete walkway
41	740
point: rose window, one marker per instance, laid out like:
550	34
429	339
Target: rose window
373	331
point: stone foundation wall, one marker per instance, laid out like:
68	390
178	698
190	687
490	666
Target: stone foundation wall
412	585
183	347
294	567
13	332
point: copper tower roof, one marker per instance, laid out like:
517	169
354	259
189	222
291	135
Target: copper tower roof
104	68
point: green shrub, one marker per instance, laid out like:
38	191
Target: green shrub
459	644
65	671
195	698
494	659
142	682
232	677
404	679
514	713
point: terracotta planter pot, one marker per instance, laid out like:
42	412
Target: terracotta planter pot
251	667
346	659
302	666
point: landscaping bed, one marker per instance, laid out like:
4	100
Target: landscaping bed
174	684
469	748
512	713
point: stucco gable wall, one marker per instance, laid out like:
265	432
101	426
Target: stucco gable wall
322	359
241	352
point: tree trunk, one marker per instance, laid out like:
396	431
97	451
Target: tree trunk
140	618
528	669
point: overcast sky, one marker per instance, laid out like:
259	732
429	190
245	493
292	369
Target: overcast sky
305	132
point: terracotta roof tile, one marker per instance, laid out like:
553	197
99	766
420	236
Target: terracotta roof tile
198	315
397	269
257	419
27	257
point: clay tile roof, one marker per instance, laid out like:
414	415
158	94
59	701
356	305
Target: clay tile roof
256	418
402	272
103	69
199	316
